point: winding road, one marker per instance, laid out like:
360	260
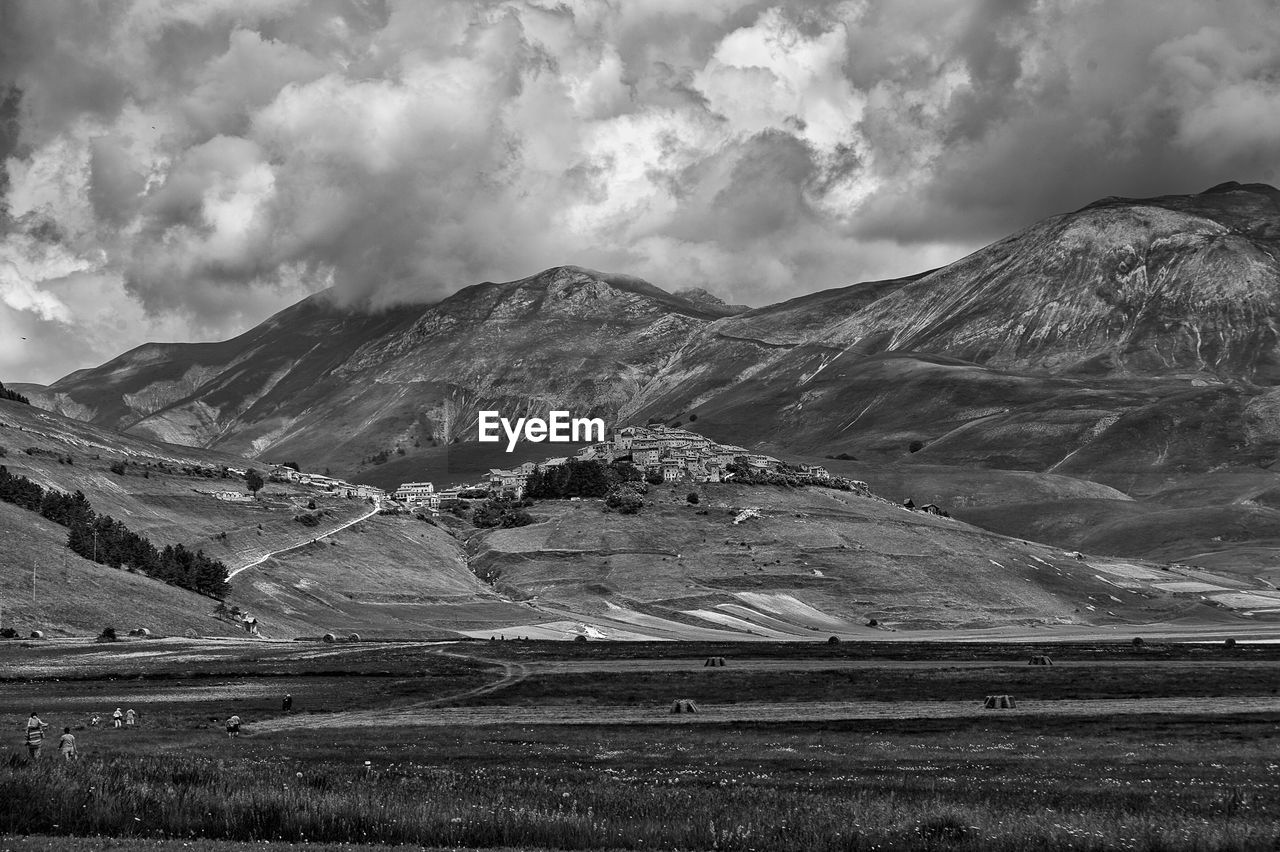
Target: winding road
231	575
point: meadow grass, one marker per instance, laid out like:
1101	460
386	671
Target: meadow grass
1147	784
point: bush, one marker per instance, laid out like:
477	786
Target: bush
306	519
1138	642
692	499
624	501
118	468
1230	643
915	446
873	623
108	634
834	640
501	513
8	633
579	638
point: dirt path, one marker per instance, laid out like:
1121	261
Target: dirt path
512	674
771	712
273	553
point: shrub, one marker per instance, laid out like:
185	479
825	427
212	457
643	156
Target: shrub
579	638
1138	642
118	468
834	640
8	633
306	519
624	501
501	513
1230	643
692	499
108	634
873	623
915	446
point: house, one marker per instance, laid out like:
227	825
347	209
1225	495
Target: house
645	453
509	480
414	492
283	473
816	471
671	471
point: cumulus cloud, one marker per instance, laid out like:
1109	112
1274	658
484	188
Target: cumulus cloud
197	165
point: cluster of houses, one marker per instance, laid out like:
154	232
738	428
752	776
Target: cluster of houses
674	454
341	488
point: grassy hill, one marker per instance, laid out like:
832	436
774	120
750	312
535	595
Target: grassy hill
815	561
46	587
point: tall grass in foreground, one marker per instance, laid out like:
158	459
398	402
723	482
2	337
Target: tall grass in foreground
189	797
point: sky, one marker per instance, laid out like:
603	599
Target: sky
177	170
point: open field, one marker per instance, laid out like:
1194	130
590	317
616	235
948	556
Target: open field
554	745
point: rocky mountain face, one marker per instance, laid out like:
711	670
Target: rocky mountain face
1129	341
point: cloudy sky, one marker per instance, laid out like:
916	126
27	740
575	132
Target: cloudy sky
180	169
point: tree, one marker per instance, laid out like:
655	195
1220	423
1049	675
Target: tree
624	501
253	481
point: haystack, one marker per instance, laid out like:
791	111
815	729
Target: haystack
999	702
713	661
1040	660
354	637
36	634
329	637
684	705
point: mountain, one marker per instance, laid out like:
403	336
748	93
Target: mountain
330	385
1130	344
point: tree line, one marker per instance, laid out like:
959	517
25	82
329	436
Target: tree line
577	478
102	539
5	393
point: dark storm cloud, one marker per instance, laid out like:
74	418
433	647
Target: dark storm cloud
199	164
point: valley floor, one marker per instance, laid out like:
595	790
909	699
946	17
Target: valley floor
554	745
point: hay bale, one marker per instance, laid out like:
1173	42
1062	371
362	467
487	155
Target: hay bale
354	637
713	662
683	705
329	637
999	702
1040	660
36	634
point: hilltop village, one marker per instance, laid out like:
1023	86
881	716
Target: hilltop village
661	453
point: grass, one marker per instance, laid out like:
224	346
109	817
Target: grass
798	787
892	684
1143	782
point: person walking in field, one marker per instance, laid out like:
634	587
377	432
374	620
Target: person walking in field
287	704
95	721
233	726
35	736
130	718
118	717
67	745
